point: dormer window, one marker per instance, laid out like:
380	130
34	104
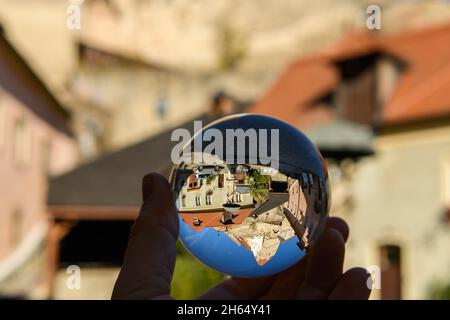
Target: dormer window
366	84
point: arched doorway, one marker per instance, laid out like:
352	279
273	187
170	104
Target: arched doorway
390	263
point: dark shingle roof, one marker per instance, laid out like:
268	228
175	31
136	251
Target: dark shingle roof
114	179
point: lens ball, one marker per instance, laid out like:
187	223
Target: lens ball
252	194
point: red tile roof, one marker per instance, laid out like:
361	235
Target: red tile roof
301	83
354	44
421	93
212	218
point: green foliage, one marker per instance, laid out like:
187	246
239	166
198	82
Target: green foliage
259	184
231	46
439	291
211	178
191	278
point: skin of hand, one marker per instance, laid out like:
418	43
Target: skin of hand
150	260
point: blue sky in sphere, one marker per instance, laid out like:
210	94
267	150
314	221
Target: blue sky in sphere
219	252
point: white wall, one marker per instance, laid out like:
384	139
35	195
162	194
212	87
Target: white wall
399	199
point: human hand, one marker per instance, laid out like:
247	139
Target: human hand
150	260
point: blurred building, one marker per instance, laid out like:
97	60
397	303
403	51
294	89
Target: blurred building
93	206
137	68
378	108
215	218
261	234
113	90
154	63
208	195
36	142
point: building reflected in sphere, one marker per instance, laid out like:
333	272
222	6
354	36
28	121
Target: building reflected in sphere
250	211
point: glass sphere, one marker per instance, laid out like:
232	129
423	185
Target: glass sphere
252	194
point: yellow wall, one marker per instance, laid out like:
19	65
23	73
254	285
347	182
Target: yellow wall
399	198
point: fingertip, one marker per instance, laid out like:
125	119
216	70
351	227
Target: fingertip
159	179
359	273
330	237
158	204
340	225
150	257
147	183
353	285
330	241
324	265
151	182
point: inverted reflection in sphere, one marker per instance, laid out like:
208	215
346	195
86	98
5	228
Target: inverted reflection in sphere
252	207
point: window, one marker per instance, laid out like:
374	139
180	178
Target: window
162	106
46	157
90	137
221	180
355	93
390	256
193	182
447	181
198	201
183	201
2	123
16	227
208	199
21	143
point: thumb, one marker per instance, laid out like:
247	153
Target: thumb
150	257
